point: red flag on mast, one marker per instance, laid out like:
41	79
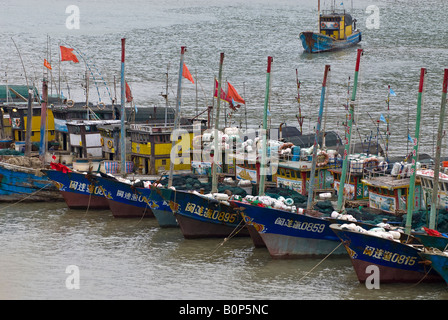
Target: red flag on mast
232	94
129	96
223	94
47	64
186	73
68	55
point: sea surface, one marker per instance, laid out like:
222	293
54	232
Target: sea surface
134	258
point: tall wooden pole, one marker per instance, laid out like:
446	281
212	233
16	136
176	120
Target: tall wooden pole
176	116
123	111
263	163
348	135
29	120
410	206
216	152
434	203
316	137
43	121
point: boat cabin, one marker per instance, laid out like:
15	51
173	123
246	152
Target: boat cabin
426	177
338	25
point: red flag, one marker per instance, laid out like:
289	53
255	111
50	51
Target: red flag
47	64
223	94
129	96
186	73
232	94
68	55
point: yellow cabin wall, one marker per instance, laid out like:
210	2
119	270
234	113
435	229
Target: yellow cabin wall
35	127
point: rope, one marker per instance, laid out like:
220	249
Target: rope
320	262
232	234
30	195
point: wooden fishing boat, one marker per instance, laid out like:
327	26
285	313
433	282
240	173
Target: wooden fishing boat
79	189
427	181
200	216
438	260
336	30
396	259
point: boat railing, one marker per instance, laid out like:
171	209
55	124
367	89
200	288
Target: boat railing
335	12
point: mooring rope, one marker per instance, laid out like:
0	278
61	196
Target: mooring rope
30	195
320	262
231	235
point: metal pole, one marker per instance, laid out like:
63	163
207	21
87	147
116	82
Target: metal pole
123	111
216	152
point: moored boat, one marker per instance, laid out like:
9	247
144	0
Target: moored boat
438	261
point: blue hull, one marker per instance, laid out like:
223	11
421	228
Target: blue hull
396	262
439	262
25	184
163	213
291	235
315	42
125	200
79	190
202	217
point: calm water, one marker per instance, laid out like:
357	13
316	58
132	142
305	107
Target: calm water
124	259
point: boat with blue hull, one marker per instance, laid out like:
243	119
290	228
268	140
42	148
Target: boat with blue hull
20	183
438	260
125	200
336	30
289	234
79	190
200	216
163	212
397	260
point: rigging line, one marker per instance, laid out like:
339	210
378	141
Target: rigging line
232	234
320	262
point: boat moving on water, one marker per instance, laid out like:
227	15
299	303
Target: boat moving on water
337	30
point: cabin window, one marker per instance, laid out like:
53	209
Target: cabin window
282	172
288	173
163	162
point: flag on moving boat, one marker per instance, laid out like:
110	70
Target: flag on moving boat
382	118
47	64
68	55
186	73
232	93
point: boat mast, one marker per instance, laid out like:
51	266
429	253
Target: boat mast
318	15
216	153
123	111
29	123
435	191
265	125
43	120
176	113
349	135
316	137
410	206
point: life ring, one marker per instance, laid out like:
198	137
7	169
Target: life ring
110	144
323	25
70	103
370	163
336	25
101	104
326	158
102	141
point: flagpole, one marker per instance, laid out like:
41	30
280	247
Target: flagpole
123	110
43	120
265	125
215	133
410	205
432	216
176	114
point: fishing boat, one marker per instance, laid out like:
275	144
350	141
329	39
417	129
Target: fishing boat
21	176
397	259
438	260
395	255
336	30
79	189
